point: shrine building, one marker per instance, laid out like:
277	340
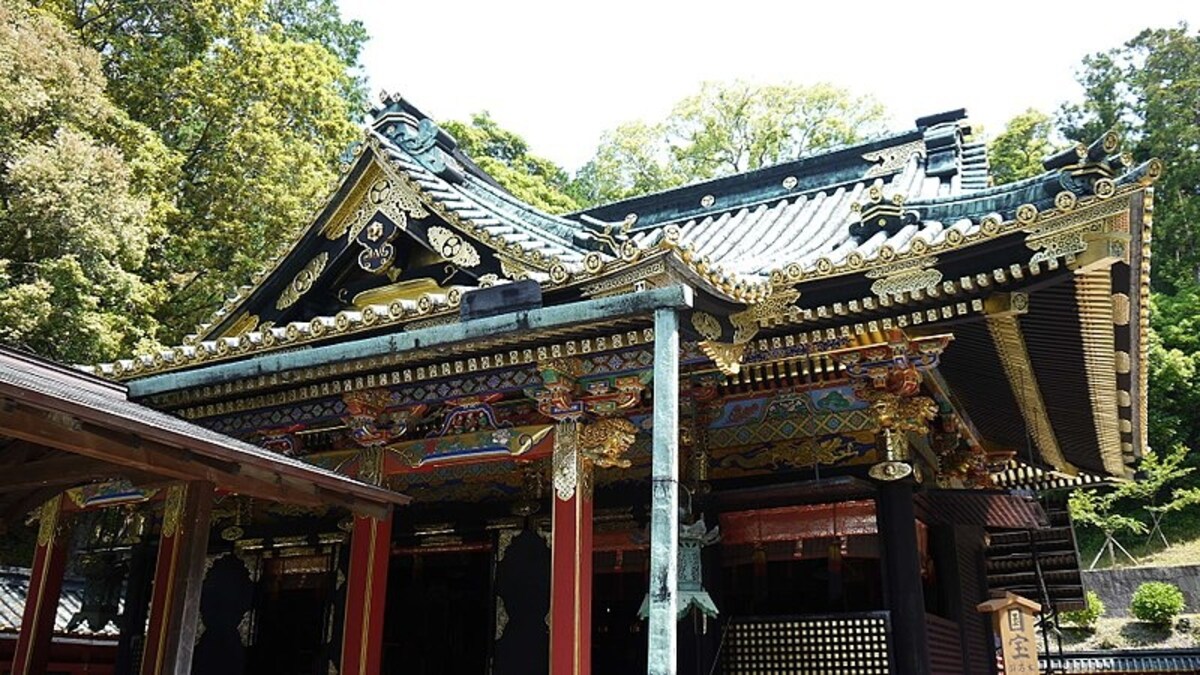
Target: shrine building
800	419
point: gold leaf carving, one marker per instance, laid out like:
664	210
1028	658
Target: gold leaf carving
905	276
605	441
48	521
774	307
907	282
707	325
565	459
392	197
453	247
727	357
303	281
173	509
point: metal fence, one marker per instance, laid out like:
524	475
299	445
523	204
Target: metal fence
1125	661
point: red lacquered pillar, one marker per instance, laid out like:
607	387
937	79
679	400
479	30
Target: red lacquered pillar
571	551
178	576
45	584
366	589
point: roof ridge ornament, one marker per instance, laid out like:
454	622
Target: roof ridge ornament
602	235
889	160
1090	169
880	213
431	147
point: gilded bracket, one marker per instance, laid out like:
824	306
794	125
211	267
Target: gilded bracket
888	377
590	431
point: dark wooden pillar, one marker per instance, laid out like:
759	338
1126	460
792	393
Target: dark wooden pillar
45	584
523	601
571	556
138	587
178	576
897	522
366	589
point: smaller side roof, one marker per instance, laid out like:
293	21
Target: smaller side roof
67	410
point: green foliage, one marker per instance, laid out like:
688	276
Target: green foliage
505	157
723	129
1017	152
1150	89
1157	602
1089	615
1157	472
1174	350
258	99
1098	509
631	160
83	199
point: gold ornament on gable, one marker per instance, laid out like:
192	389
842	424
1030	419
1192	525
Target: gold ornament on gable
303	281
453	247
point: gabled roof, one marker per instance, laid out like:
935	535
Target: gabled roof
895	232
754	224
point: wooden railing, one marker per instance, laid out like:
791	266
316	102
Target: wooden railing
853	644
945	646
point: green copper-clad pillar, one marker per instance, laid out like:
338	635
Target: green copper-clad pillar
664	501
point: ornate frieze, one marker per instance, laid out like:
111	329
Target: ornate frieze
376	373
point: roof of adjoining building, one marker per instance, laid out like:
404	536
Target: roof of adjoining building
14	587
57	394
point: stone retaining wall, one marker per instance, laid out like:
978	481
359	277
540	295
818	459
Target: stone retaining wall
1116	587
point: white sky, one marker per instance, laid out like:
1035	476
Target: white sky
561	72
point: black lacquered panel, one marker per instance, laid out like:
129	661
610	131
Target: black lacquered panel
809	645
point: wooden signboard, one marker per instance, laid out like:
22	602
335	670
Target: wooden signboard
1013	622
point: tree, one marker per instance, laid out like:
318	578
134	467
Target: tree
84	197
1017	152
1156	491
723	129
505	157
1101	510
1150	89
257	97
